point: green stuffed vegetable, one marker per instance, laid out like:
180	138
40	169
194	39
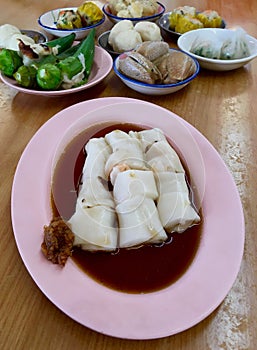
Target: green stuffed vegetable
26	76
10	61
61	44
87	49
49	77
70	66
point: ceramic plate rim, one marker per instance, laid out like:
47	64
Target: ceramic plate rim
128	316
103	71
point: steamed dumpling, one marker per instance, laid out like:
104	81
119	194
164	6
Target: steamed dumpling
126	40
121	26
149	31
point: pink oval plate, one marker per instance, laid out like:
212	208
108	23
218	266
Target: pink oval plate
101	68
132	316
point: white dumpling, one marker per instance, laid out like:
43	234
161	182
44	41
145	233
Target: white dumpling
131	183
94	191
12	43
174	206
139	222
126	41
149	31
6	31
94	228
162	157
98	152
121	26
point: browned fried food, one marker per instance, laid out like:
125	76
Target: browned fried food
58	241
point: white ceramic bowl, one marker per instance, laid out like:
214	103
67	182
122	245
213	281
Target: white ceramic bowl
47	21
154	89
185	42
116	19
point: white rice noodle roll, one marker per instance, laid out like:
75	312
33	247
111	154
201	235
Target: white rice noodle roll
131	183
126	150
116	170
174	206
98	152
139	222
162	157
94	228
94	191
171	182
148	137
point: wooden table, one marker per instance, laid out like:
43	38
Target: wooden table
222	106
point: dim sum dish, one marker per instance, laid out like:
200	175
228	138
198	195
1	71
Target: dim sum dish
134	191
219	49
187	18
148	10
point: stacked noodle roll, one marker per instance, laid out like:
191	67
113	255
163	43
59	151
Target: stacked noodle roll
150	195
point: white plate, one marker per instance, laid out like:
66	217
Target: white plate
100	69
133	316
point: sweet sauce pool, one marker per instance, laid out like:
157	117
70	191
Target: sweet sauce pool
138	270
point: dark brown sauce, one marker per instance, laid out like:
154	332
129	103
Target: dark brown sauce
140	270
